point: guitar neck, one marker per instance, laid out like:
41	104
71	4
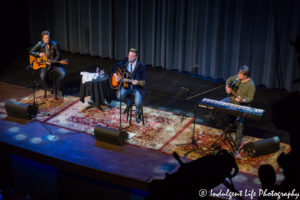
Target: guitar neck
130	80
53	61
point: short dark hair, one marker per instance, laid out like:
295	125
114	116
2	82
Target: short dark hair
134	51
244	69
45	32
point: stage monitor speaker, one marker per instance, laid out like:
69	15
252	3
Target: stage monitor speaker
20	110
109	135
262	147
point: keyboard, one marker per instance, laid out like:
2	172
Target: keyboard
232	109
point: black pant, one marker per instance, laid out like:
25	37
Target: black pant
61	74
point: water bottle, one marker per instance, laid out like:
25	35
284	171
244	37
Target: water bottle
97	70
102	73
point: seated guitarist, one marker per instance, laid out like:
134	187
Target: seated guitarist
50	49
241	90
137	71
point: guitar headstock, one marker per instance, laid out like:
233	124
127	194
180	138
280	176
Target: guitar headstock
64	61
142	83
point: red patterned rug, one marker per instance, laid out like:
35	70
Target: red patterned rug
160	126
206	137
49	105
163	130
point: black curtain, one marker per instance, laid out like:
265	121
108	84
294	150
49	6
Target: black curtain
208	37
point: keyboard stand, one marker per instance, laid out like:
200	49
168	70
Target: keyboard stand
225	137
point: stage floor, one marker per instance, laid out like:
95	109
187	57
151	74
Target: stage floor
126	166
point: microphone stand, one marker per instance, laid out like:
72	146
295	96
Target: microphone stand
119	91
35	109
34	104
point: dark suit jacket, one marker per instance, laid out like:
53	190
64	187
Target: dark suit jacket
139	72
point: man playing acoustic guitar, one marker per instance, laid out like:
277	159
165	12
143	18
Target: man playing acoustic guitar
50	50
241	90
134	71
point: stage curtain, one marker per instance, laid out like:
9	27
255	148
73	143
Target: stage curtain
211	38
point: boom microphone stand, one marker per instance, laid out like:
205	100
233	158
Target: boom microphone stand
35	109
34	104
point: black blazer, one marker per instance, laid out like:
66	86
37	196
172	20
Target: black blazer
40	48
139	72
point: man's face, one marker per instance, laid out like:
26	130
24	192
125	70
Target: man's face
132	56
46	38
242	76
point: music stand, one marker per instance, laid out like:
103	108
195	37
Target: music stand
193	140
180	95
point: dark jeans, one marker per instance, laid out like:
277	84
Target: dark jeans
61	74
240	125
138	98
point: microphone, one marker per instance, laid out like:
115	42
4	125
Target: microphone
126	63
43	46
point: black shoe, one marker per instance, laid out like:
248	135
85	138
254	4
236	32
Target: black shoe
138	118
91	103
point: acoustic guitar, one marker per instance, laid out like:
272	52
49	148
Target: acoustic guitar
42	62
126	80
234	85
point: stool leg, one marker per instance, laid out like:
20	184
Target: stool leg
54	87
45	93
143	116
127	114
130	110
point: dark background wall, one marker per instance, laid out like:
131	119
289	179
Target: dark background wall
209	37
14	31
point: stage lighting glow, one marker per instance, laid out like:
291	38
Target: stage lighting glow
36	140
20	137
14	129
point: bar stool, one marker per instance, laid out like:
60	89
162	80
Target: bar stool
52	76
129	113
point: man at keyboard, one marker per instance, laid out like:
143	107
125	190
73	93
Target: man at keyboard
240	89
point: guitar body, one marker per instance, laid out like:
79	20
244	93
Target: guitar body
37	63
41	62
114	83
233	93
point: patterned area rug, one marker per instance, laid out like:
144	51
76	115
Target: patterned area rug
163	131
160	126
208	137
49	106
